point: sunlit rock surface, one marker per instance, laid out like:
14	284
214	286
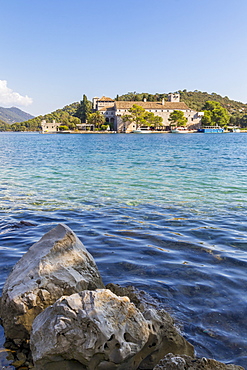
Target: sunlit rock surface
96	328
101	330
58	264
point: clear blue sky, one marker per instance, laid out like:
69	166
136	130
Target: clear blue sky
54	51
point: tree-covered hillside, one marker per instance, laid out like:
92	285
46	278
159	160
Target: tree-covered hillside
194	99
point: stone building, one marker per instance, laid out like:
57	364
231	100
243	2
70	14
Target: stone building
50	127
114	110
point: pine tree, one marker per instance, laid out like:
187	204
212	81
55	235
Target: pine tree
84	109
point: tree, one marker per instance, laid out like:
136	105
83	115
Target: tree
152	120
215	114
207	118
177	118
137	116
97	119
243	121
84	109
141	117
63	128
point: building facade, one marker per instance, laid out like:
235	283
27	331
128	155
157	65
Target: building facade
114	110
50	127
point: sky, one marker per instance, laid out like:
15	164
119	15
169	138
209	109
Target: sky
54	51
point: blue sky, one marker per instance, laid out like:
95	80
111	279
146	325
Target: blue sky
54	51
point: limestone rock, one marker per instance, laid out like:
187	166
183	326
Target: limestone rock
58	264
97	329
172	362
164	337
104	331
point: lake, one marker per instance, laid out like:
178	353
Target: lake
163	212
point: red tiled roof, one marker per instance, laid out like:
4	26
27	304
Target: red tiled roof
105	98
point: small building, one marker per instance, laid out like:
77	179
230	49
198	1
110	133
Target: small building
50	127
85	127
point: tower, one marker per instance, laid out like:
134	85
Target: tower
174	97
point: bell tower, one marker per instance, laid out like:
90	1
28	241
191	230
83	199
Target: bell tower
174	97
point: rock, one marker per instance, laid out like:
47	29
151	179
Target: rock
164	337
21	359
172	362
101	331
58	264
97	329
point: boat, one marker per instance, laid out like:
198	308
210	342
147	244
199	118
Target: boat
141	130
179	130
211	130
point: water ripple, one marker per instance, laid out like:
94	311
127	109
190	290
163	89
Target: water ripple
165	213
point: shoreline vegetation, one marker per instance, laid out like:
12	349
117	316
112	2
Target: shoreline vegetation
217	111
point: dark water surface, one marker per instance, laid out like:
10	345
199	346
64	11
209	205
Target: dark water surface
166	213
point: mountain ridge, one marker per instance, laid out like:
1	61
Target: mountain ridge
14	115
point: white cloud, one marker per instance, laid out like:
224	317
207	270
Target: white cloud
9	97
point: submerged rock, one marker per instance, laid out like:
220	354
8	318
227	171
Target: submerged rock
172	362
58	264
101	330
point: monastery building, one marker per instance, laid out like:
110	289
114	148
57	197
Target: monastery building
114	110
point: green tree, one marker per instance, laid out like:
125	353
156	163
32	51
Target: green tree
177	118
63	128
97	119
215	114
152	120
243	121
137	116
84	109
140	117
207	118
73	121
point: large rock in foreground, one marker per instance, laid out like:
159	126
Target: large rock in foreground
172	362
58	264
100	330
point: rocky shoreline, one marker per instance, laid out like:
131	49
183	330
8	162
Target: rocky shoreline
57	314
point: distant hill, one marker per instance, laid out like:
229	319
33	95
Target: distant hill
13	115
63	115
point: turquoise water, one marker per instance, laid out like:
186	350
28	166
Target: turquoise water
166	213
